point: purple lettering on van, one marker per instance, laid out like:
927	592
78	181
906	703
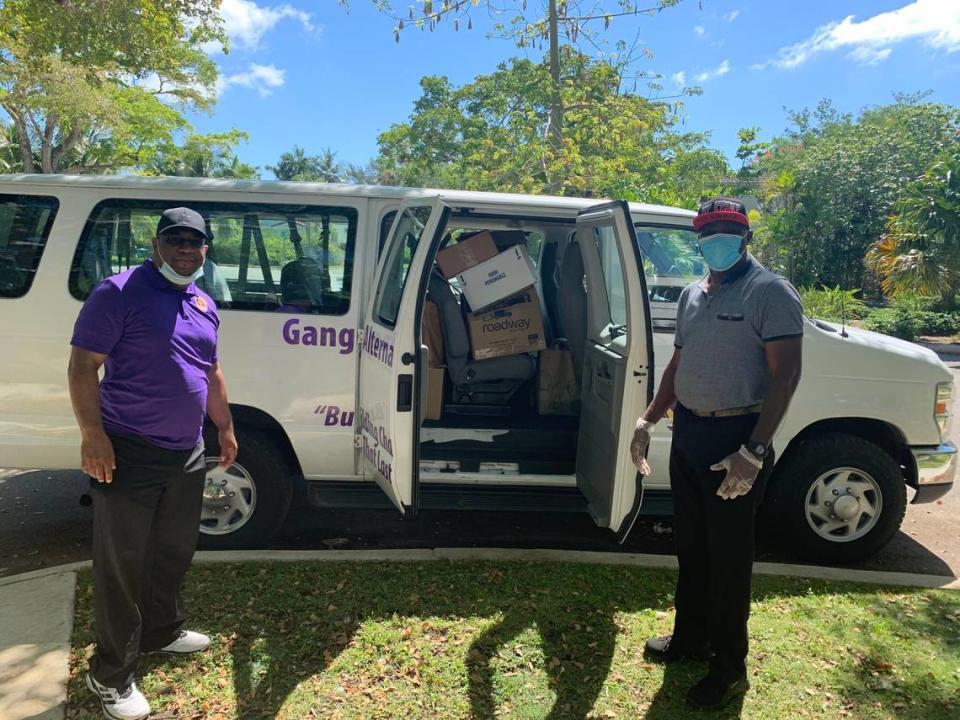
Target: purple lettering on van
295	332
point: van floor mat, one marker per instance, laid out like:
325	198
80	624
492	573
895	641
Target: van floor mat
548	447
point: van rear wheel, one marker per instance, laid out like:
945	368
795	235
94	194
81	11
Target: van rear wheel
246	503
836	498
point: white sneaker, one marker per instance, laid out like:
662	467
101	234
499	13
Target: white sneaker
188	642
120	704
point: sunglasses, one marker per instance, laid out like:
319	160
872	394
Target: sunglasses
189	241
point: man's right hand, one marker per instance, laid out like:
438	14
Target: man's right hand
639	446
97	458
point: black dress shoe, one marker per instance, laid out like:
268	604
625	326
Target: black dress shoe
713	693
665	650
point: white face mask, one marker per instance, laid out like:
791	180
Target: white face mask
176	278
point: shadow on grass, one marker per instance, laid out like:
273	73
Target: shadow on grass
281	625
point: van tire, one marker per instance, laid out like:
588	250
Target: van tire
271	473
819	471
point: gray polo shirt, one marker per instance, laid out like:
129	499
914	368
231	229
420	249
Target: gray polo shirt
723	364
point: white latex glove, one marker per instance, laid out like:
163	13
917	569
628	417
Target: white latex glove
639	445
742	471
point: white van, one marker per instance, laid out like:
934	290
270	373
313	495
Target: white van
321	291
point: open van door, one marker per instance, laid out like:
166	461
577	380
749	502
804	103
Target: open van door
617	381
388	414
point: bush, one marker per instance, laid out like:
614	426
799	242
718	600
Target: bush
832	304
896	322
909	324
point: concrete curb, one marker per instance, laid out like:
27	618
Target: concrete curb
35	646
873	577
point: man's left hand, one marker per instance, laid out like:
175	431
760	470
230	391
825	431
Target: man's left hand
742	471
228	447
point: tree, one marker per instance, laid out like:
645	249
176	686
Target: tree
546	21
297	165
830	183
203	156
77	103
920	253
489	135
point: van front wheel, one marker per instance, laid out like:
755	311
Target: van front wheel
244	504
837	498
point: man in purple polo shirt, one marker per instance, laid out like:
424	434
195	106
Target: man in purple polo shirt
155	333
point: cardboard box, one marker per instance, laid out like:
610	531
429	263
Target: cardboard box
511	328
432	334
434	409
498	278
454	259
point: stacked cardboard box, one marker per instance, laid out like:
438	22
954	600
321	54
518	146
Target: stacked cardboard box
506	317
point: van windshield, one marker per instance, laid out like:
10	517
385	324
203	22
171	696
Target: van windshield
671	261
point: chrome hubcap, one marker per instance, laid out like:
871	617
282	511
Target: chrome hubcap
843	504
229	498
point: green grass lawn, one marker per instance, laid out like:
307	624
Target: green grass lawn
528	640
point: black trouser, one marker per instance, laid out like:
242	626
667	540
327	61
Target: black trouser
714	539
145	526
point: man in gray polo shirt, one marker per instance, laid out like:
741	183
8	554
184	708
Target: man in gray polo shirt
734	370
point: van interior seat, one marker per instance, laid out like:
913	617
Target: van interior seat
572	311
492	380
301	283
548	285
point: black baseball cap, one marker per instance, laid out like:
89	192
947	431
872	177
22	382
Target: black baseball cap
181	217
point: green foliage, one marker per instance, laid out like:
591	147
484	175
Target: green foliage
210	155
489	135
830	184
908	324
832	303
297	165
896	322
79	105
920	252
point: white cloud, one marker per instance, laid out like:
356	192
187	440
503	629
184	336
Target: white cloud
246	23
262	78
731	16
708	75
699	30
866	55
679	78
935	22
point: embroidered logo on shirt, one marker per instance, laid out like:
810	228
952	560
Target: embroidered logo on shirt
200	302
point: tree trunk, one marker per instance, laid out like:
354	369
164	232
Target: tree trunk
555	132
46	144
23	137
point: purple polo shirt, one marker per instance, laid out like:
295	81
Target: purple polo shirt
160	343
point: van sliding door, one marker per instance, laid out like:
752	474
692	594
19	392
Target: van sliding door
618	365
388	417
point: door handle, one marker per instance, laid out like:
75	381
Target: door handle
405	393
407	359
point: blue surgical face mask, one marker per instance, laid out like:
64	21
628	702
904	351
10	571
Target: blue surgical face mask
721	250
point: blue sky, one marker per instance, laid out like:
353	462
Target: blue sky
315	75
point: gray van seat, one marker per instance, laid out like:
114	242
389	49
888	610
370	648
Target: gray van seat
572	309
490	381
548	284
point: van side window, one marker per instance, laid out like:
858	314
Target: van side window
403	245
385	224
25	222
287	258
612	270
